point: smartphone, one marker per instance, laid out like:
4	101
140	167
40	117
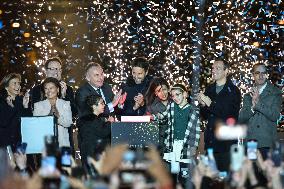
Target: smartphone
237	156
50	145
252	149
48	164
276	154
66	157
10	154
21	148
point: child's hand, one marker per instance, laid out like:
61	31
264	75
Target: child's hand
111	119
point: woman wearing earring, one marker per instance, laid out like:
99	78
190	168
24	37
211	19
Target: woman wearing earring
53	105
12	108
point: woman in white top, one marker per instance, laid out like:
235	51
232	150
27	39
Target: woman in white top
53	105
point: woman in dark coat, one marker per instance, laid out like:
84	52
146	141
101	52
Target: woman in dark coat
95	130
157	99
12	108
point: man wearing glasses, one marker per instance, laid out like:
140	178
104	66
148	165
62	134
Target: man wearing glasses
261	109
53	69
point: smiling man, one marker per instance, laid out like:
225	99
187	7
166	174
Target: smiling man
136	87
261	109
220	101
53	68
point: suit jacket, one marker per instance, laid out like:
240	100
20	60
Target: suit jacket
37	95
225	104
262	123
42	108
86	90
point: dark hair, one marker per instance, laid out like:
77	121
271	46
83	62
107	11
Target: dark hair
93	100
90	65
150	94
5	83
179	86
141	63
50	80
225	63
259	64
53	59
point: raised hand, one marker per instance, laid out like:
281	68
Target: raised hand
9	101
26	99
63	89
116	98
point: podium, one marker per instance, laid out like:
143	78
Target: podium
136	134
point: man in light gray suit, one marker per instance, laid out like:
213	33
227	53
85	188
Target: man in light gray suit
261	109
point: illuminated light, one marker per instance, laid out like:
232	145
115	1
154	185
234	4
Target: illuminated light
16	25
281	22
38	44
27	34
1	11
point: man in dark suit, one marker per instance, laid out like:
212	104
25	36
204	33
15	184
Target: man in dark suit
261	109
220	101
95	85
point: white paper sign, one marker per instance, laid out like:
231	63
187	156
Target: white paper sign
33	130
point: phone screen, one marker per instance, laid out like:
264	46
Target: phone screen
252	150
65	157
48	164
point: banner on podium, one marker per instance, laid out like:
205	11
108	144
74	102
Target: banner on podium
136	134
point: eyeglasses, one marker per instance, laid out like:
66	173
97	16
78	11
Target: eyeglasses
260	73
54	69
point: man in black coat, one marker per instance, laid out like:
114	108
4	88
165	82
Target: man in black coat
135	88
220	101
95	85
53	68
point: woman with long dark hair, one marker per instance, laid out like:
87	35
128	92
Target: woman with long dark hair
157	99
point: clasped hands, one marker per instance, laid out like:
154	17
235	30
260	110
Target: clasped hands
203	99
139	101
254	93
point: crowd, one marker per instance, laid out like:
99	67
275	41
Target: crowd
177	160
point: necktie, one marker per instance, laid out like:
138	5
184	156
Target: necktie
99	91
